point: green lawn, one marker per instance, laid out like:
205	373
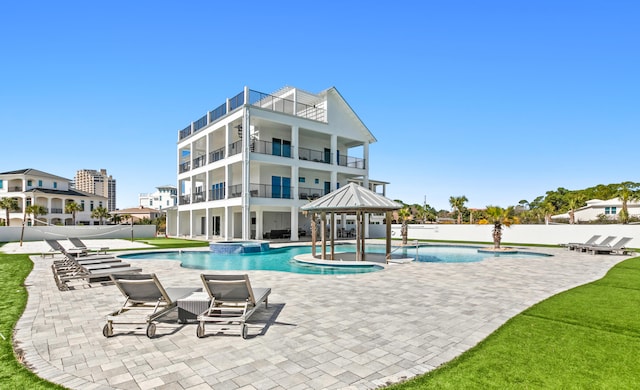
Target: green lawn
587	337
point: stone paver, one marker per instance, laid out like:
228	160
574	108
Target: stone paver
319	331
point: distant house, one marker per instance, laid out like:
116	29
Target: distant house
137	214
596	208
31	186
165	196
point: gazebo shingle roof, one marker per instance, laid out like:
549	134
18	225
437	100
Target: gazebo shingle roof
352	197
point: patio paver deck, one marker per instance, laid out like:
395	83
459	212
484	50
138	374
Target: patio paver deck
319	332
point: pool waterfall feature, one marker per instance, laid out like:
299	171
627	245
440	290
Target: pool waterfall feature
229	247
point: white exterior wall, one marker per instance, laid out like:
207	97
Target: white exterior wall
522	234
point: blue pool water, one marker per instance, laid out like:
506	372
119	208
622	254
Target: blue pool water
281	259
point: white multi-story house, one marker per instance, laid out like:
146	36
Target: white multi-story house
164	197
246	167
31	186
596	209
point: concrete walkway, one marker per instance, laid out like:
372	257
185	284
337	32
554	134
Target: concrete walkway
319	332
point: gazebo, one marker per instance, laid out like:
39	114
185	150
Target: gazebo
349	199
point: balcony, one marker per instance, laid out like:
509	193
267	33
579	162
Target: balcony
315	155
56	211
199	161
216	155
184	199
257	99
351	162
185	166
306	193
271	148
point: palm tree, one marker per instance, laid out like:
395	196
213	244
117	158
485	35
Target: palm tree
627	192
35	210
404	214
116	218
457	204
72	208
499	217
127	217
575	201
9	205
100	213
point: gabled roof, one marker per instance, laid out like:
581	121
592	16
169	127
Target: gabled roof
351	198
33	172
334	91
63	192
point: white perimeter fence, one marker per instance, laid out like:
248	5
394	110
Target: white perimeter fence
36	233
520	234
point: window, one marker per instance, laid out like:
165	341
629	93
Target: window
91	206
300	180
317	181
1	184
82	205
150	202
55	184
39	183
610	210
29	183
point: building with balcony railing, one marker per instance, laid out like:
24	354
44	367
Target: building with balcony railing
53	193
165	196
247	166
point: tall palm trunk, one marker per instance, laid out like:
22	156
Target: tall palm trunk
497	235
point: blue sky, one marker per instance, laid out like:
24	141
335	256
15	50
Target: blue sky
495	100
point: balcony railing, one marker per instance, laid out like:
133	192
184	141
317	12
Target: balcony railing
198	197
261	100
217	194
199	161
270	191
216	155
310	193
56	211
286	106
351	162
217	113
184	199
272	148
235	148
185	166
314	155
184	133
200	123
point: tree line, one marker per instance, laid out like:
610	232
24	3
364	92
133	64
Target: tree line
537	211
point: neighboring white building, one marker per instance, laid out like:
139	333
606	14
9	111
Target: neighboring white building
596	208
98	183
165	196
31	186
247	166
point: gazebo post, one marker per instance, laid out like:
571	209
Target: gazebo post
332	233
323	234
362	235
388	237
313	234
358	252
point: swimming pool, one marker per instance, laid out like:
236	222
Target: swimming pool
281	259
275	259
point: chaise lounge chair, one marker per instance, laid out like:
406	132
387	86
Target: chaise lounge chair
618	247
232	300
605	242
78	244
574	245
146	300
